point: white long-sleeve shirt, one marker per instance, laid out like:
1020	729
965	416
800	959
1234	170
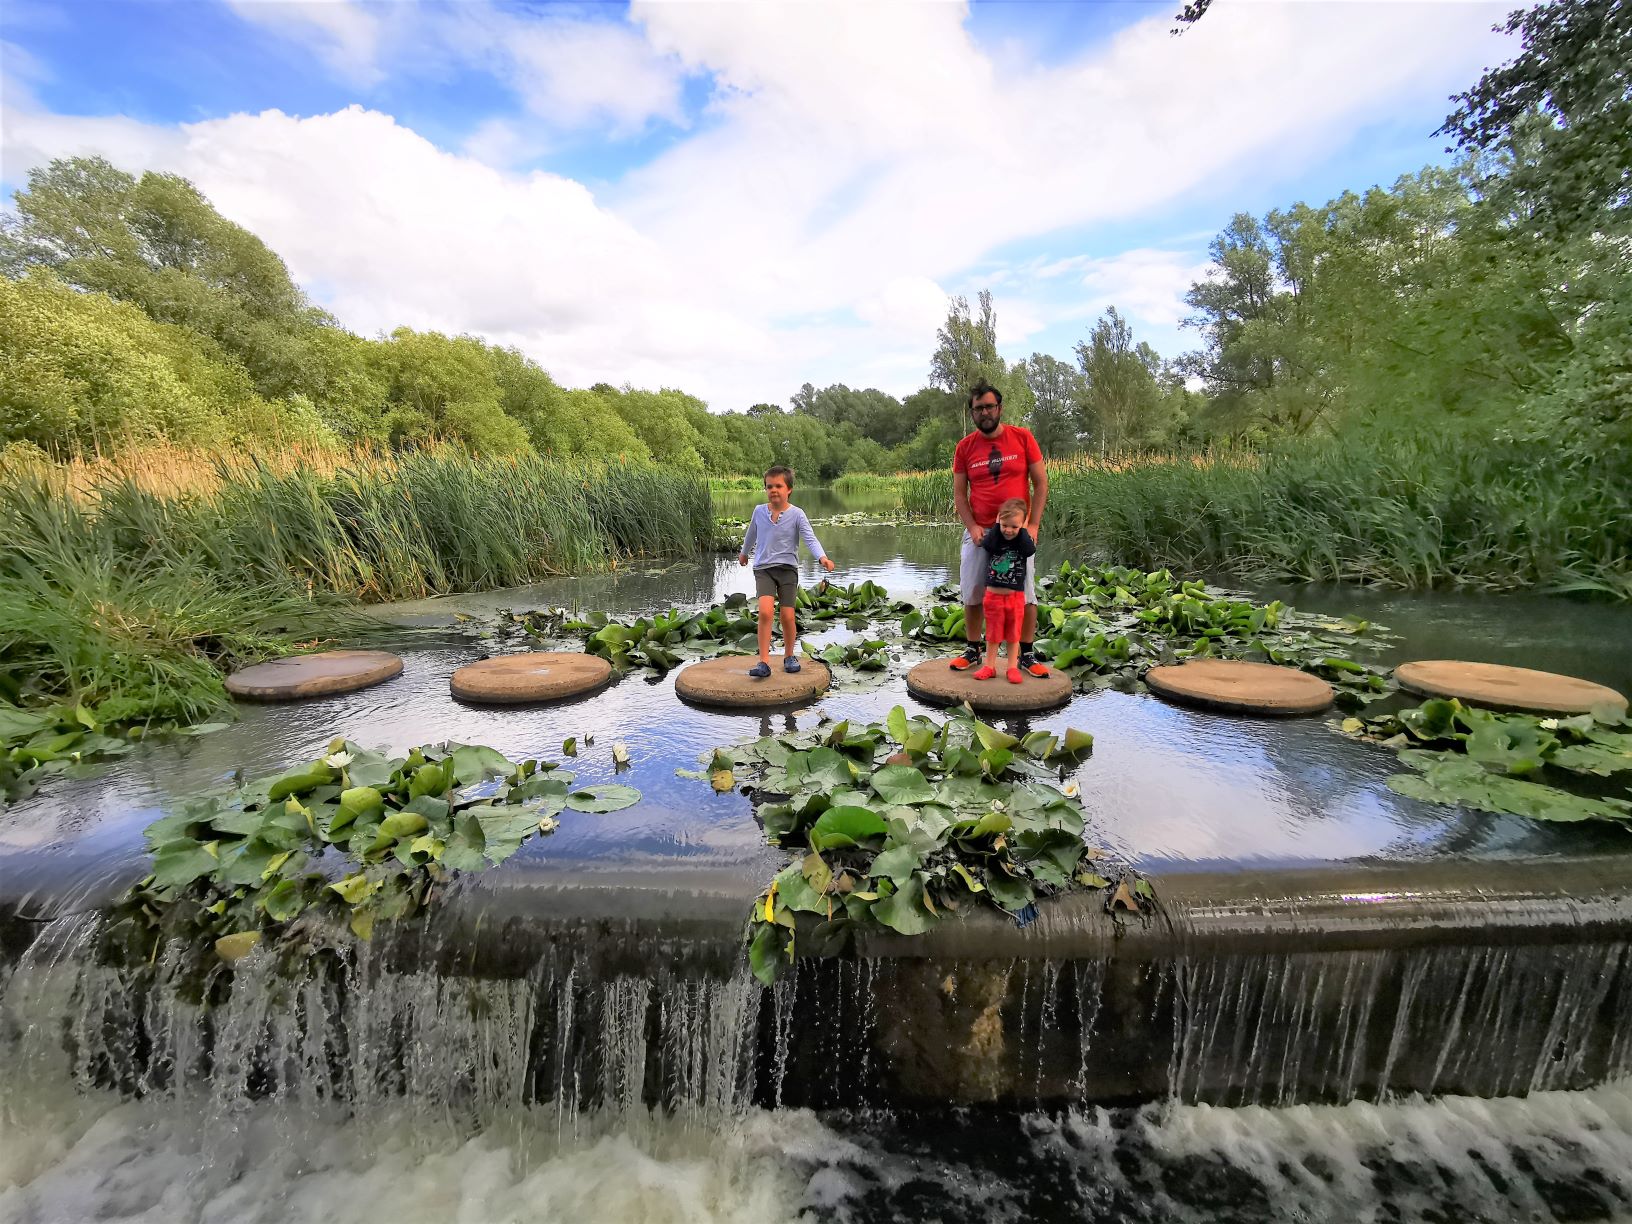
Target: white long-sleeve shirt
777	543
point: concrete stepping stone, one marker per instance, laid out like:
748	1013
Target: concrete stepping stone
523	679
1238	687
314	675
1499	687
725	682
936	682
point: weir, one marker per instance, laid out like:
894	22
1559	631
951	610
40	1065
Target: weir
1266	988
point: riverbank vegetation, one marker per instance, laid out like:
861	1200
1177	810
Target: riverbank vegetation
128	587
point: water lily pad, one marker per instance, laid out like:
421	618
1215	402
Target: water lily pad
609	797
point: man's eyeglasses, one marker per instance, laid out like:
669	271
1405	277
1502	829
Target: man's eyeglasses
988	407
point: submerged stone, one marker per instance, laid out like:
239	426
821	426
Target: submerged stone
538	675
1499	687
934	681
313	675
1237	686
725	682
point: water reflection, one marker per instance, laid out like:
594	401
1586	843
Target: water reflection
1166	787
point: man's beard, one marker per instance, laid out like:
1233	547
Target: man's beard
989	430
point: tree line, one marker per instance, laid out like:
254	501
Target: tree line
1492	296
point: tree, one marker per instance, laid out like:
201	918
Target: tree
1121	403
157	242
1056	389
1558	116
443	388
80	371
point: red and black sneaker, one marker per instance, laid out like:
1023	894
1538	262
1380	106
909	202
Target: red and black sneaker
972	654
1031	665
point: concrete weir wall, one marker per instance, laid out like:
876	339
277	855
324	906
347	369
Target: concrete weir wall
1267	987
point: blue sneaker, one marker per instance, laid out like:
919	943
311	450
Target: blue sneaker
760	670
789	664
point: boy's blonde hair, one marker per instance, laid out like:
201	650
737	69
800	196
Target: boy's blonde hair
1015	505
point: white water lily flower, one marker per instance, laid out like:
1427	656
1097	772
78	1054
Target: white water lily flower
339	760
1071	790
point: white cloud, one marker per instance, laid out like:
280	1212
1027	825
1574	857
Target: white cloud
1145	285
855	159
344	33
567	72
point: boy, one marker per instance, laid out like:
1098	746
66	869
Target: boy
774	532
1007	546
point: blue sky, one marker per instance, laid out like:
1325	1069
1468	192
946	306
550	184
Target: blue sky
737	198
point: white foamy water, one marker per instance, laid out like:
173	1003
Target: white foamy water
1549	1157
151	1162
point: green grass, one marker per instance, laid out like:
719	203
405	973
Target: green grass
131	601
1392	511
926	494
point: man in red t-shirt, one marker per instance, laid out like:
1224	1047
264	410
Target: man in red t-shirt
991	465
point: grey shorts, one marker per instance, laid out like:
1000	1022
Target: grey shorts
782	581
972	574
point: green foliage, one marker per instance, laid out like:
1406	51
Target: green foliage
1519	764
898	826
1397	510
79	371
440	388
928	494
1120	399
354	833
115	605
1561	113
664	640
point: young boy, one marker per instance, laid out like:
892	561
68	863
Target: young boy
773	538
1007	546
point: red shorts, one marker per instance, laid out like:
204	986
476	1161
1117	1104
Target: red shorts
1004	610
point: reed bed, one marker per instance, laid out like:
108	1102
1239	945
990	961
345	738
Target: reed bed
129	581
1388	511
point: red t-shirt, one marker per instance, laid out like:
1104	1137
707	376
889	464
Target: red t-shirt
996	469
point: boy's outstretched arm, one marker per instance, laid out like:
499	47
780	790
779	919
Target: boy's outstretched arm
748	539
808	534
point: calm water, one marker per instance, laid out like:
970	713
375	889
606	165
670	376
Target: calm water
1170	789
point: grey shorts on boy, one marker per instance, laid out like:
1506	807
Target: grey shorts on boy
782	581
972	573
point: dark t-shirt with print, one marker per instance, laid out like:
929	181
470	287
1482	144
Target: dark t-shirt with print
1006	559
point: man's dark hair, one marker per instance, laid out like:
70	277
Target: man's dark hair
785	472
983	388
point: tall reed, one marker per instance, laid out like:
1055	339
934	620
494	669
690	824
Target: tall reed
115	588
1383	510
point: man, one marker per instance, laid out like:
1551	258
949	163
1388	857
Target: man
990	466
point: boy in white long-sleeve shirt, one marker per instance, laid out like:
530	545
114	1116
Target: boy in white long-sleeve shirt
774	532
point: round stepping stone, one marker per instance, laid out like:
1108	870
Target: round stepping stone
538	675
1241	687
936	682
313	675
725	682
1505	688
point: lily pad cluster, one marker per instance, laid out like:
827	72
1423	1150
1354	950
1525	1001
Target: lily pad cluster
666	639
38	742
1508	763
1110	624
901	825
355	832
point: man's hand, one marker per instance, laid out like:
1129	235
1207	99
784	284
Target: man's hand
827	564
1033	528
976	534
742	558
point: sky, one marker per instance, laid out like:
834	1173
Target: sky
737	198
